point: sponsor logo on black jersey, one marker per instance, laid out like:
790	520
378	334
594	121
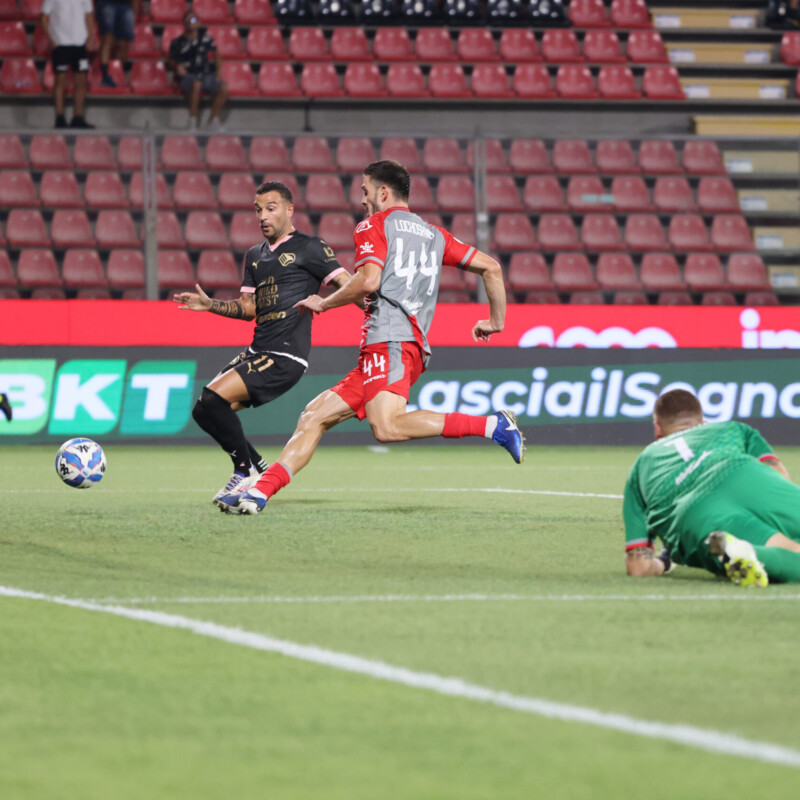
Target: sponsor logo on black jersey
287	258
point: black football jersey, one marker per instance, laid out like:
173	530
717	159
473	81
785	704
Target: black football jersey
280	278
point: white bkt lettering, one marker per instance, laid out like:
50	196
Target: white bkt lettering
408	270
378	362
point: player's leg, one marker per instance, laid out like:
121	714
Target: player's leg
781	563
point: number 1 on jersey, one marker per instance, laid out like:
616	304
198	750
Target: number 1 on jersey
684	451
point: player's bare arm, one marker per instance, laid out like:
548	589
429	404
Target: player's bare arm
642	562
243	308
366	280
492	274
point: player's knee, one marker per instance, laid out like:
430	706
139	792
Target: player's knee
385	432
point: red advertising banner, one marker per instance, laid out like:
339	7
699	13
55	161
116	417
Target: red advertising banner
139	323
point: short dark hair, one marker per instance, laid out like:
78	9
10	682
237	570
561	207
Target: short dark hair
391	174
677	405
276	186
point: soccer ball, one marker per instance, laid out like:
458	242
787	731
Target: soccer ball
80	463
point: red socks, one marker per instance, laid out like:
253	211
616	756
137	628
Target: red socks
457	426
273	480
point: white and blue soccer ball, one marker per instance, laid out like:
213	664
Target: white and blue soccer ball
81	463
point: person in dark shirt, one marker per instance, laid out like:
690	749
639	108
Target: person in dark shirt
278	273
197	64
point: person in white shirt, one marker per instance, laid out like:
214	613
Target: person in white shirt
68	25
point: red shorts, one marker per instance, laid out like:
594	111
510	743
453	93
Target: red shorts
384	367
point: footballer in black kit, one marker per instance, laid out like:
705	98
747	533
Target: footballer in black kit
278	273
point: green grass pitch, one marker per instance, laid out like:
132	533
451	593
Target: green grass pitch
97	706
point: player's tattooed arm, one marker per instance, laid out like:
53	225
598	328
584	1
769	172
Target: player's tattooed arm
642	562
243	308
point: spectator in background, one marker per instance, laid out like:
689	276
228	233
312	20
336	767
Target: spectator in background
116	25
68	25
197	64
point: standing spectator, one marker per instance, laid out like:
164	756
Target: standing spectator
190	55
68	24
116	25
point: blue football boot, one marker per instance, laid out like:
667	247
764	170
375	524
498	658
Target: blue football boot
509	436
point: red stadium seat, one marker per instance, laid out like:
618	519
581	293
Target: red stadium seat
572	156
350	44
269	153
163	193
502	194
533	81
422	194
702	157
572	272
336	228
193	190
216	269
38	268
718	298
129	153
320	80
266	44
302	222
543	193
308	44
616	157
602	46
48	293
363	80
588	14
236	190
452	280
168	35
13	40
560	46
277	79
167	10
225	154
790	49
227	40
644	232
9	10
491	80
448	80
392	44
17	190
631	194
49	152
688	232
175	270
240	79
93	293
658	157
557	232
662	83
406	80
453	295
761	299
630	14
94	152
529	272
455	193
8	277
41	43
105	190
729	233
181	152
542	298
403	150
647	47
630	298
616	82
355	193
674	299
245	231
518	46
514	232
19	76
529	156
253	12
434	44
125	269
703	272
289	180
212	11
746	272
144	44
601	232
150	77
82	269
325	193
205	230
116	73
168	230
587	193
494	154
659	271
476	44
463	227
443	155
12	153
30	9
673	195
616	271
116	229
313	154
71	229
26	228
353	153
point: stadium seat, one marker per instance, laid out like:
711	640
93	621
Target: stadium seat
761	299
602	46
205	230
463	227
491	81
790	49
268	153
533	81
350	44
702	157
181	152
421	194
17	190
93	293
336	228
560	46
167	10
518	46
434	44
168	35
353	153
94	152
227	40
125	269
26	228
71	229
673	194
325	193
245	231
658	157
528	156
543	193
355	193
225	154
716	195
13	40
312	154
277	79
403	150
703	272
729	233
212	11
48	293
476	44
529	272
514	232
38	268
502	194
588	14
557	232
672	298
302	222
320	80
115	229
105	190
616	82
630	298
616	157
572	272
266	44
494	155
216	269
587	193
134	294
615	271
453	295
49	152
718	298
659	272
58	190
363	80
8	277
175	270
746	272
644	232
236	191
541	298
163	193
12	153
406	80
168	230
601	232
129	153
240	79
308	44
30	10
572	156
443	155
455	193
630	14
150	77
144	44
289	180
48	80
688	232
647	47
253	12
448	80
82	268
451	280
19	76
392	44
193	190
662	83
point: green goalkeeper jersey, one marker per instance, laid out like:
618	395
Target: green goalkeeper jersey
677	472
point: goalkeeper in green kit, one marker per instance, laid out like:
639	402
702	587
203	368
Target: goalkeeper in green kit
717	497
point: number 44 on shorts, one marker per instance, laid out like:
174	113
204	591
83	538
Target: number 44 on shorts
377	362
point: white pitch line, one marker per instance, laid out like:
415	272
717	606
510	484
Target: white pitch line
687	735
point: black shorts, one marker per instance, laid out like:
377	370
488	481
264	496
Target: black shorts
266	375
72	57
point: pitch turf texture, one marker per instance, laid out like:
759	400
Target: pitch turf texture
378	550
